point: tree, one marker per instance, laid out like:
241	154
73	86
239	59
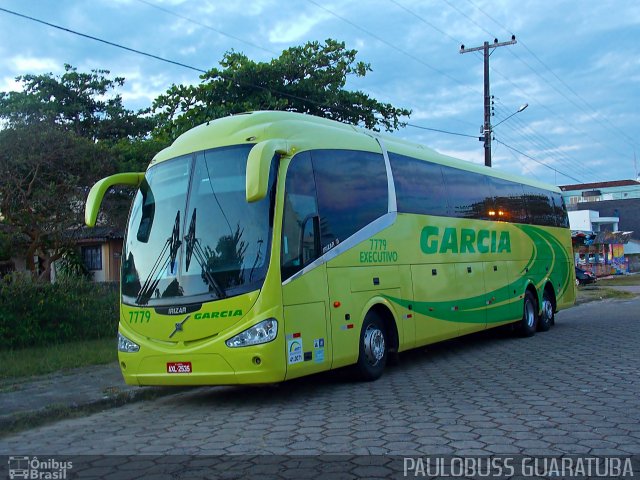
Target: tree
43	169
307	79
62	133
79	102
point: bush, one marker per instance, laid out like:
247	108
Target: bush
39	314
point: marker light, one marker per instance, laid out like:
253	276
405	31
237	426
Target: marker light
262	332
126	345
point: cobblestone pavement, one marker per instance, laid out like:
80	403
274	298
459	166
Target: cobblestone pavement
573	390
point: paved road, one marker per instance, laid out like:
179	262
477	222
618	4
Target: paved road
575	389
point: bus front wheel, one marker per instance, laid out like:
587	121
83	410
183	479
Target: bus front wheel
529	321
374	346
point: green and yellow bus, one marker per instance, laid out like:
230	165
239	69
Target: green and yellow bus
266	246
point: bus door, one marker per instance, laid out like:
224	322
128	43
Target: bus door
304	284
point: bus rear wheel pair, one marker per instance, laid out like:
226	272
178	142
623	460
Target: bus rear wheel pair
531	322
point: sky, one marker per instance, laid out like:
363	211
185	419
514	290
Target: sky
576	64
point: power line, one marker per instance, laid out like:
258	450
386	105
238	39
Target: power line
388	44
107	42
441	131
611	126
204	25
538	161
539	140
140	52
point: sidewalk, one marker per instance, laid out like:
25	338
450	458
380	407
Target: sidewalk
32	401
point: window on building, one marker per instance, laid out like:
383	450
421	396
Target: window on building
92	257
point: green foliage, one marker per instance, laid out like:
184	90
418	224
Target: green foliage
71	265
309	79
78	102
7	247
43	170
37	314
134	155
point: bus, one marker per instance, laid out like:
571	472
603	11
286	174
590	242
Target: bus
266	246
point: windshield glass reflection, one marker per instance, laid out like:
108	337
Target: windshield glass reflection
192	235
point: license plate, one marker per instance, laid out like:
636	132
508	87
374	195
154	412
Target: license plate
178	367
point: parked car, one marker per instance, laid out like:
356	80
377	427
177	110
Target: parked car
584	277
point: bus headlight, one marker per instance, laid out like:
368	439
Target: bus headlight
126	345
262	332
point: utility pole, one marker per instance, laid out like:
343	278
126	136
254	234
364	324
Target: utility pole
486	129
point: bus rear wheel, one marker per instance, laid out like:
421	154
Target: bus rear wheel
529	321
546	319
374	345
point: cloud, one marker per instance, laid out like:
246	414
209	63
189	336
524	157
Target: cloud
9	84
296	29
23	64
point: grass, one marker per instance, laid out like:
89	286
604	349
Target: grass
41	360
620	280
592	293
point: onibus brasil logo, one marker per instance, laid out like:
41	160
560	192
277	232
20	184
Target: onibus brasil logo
33	468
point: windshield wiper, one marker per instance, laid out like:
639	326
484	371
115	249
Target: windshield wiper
172	245
193	247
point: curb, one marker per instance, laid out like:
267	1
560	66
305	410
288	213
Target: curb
19	421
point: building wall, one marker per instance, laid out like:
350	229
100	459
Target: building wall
109	262
628	211
587	192
580	220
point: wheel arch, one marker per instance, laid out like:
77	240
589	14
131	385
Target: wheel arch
551	291
383	310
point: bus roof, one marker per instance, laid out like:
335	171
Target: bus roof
306	132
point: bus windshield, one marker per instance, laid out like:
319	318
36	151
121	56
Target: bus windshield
192	236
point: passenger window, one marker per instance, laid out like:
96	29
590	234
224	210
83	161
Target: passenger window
469	194
300	236
352	192
508	198
560	209
419	186
540	206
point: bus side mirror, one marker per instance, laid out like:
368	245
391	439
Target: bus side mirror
97	192
258	165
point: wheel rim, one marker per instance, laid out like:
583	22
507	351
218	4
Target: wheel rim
374	345
547	310
577	282
529	313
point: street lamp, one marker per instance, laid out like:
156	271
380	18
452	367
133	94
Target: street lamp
517	111
487	131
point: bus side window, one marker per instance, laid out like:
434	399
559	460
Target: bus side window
300	235
469	194
352	192
540	206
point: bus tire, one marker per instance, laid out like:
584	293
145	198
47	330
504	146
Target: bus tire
529	321
374	345
547	318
